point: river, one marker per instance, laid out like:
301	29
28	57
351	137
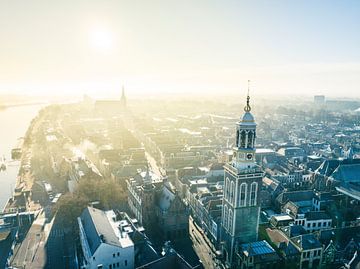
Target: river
14	122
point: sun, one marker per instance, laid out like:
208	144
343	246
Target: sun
101	39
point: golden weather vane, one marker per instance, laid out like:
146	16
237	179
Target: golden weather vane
247	108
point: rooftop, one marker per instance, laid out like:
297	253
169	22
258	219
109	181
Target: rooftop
257	248
282	217
316	215
306	242
100	227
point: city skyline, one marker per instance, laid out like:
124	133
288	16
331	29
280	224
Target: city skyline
88	47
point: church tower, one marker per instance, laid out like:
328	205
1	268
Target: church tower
242	183
123	97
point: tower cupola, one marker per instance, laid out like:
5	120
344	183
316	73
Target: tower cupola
244	151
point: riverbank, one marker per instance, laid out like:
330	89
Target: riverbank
15	122
19	200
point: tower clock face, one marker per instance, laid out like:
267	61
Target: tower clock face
249	156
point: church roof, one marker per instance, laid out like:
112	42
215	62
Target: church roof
166	198
295	196
347	173
328	167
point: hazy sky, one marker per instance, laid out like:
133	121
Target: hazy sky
76	47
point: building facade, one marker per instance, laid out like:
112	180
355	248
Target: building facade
155	203
242	183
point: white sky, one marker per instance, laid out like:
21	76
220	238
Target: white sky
205	47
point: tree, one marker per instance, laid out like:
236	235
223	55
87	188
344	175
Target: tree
109	194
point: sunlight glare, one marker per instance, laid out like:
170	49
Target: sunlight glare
101	39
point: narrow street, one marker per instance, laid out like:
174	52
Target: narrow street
201	246
153	165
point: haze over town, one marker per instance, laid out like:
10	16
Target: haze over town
179	134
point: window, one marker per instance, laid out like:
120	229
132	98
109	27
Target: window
113	255
230	221
125	262
232	192
110	266
242	194
237	138
225	220
250	140
314	224
253	193
227	188
100	266
118	254
243	136
117	264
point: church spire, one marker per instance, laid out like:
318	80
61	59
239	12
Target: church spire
123	97
247	108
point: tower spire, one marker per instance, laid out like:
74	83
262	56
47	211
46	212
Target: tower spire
247	108
123	97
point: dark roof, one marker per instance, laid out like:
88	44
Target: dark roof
306	241
257	248
295	196
145	254
347	173
316	215
172	260
329	166
293	230
324	196
340	236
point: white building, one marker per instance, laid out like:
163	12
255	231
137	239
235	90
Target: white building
104	242
313	220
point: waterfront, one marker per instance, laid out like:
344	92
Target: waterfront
14	123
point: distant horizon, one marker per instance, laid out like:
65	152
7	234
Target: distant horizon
132	95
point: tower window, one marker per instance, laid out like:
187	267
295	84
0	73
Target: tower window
225	218
227	188
250	140
253	193
242	194
237	137
243	138
230	221
232	192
